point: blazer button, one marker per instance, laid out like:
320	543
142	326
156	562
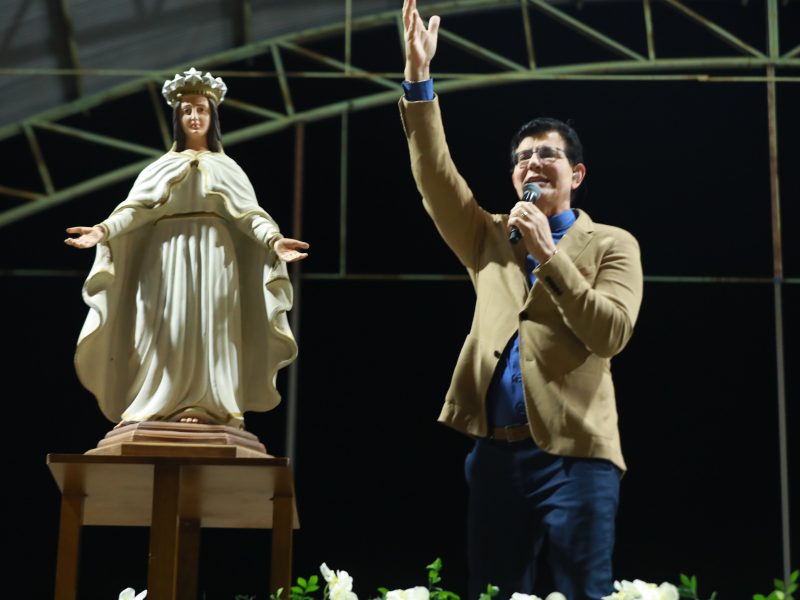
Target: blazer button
523	317
497	354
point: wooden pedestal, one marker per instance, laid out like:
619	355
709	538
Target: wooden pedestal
176	496
160	438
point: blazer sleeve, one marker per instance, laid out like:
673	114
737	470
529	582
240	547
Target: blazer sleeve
601	314
445	194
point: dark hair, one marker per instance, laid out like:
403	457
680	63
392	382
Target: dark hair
574	148
213	137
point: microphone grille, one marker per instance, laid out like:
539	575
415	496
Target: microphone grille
531	192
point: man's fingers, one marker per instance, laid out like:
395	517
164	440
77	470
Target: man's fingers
433	25
409	9
413	24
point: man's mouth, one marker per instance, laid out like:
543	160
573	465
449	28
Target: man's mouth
536	180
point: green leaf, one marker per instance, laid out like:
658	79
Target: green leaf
686	581
685	592
759	597
302	582
435	565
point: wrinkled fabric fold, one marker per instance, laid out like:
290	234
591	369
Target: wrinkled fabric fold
187	301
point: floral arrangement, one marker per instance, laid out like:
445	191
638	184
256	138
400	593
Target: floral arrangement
339	586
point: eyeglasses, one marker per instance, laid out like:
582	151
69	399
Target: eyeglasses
547	155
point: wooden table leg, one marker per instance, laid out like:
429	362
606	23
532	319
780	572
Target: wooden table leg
69	539
188	559
282	518
164	533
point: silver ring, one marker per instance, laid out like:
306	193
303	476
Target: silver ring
524	214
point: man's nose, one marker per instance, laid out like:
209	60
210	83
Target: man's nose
534	163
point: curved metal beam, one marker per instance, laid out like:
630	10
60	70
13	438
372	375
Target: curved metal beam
633	66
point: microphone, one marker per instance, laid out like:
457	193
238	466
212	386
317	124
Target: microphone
530	193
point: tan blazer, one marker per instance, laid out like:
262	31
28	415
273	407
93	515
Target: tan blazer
579	313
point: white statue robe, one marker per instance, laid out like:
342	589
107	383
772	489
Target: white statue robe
187	299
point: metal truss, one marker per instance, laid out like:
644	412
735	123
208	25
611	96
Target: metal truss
757	65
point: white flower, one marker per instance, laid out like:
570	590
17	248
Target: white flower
550	596
519	596
130	594
415	593
340	584
641	590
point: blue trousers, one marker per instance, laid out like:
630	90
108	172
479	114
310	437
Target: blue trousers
527	507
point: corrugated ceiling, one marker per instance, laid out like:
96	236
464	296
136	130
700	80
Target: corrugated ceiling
137	35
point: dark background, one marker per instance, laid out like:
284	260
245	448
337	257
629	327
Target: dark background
682	165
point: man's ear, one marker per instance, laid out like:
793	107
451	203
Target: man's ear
578	175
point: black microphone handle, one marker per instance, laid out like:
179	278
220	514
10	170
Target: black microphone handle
531	193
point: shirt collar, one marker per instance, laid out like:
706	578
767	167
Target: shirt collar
562	221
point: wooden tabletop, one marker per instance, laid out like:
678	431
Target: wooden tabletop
218	492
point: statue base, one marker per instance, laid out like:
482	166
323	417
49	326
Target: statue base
162	438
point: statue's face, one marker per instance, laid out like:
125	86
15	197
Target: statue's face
195	118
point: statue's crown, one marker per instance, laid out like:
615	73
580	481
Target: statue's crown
193	82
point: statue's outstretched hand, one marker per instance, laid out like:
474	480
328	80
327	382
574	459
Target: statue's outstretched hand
420	42
88	237
288	249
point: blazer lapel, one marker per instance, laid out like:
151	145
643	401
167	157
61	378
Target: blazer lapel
578	237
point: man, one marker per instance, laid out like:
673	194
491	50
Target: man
533	383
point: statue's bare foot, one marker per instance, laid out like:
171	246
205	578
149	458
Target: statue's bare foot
192	419
123	424
194	415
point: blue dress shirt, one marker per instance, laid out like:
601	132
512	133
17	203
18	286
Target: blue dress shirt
505	399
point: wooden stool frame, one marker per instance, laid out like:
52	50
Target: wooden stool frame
176	496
